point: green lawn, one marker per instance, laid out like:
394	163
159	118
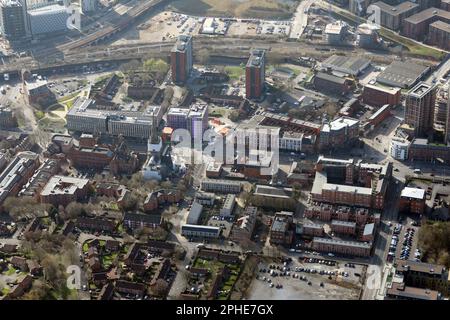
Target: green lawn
107	260
235	72
5	291
85	247
69	97
10	271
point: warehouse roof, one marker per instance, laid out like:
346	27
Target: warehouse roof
351	65
402	74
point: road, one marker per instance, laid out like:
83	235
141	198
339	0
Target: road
300	20
439	73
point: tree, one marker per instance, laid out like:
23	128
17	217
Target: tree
233	115
203	56
160	288
73	210
156	66
23	207
130	202
130	66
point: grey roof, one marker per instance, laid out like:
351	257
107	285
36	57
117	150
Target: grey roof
355	244
428	14
368	229
352	65
402	74
190	227
194	213
343	223
330	77
273	191
139	217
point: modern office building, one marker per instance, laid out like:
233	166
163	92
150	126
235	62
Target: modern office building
255	74
419	108
181	59
194	119
88	6
13	19
399	148
49	19
85	117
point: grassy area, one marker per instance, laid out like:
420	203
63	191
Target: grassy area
39	114
69	97
389	277
235	72
413	47
85	247
52	124
107	260
5	291
10	271
216	114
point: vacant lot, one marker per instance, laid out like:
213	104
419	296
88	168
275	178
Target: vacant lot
263	9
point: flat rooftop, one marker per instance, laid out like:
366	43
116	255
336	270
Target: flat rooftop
420	90
414	193
441	25
339	124
404	265
182	43
428	14
63	185
389	90
400	290
256	58
343	243
398	9
273	191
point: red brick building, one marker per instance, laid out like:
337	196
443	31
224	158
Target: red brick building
417	26
439	35
255	74
181	59
412	200
343	227
378	96
380	115
348	248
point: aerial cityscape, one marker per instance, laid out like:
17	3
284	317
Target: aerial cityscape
224	150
